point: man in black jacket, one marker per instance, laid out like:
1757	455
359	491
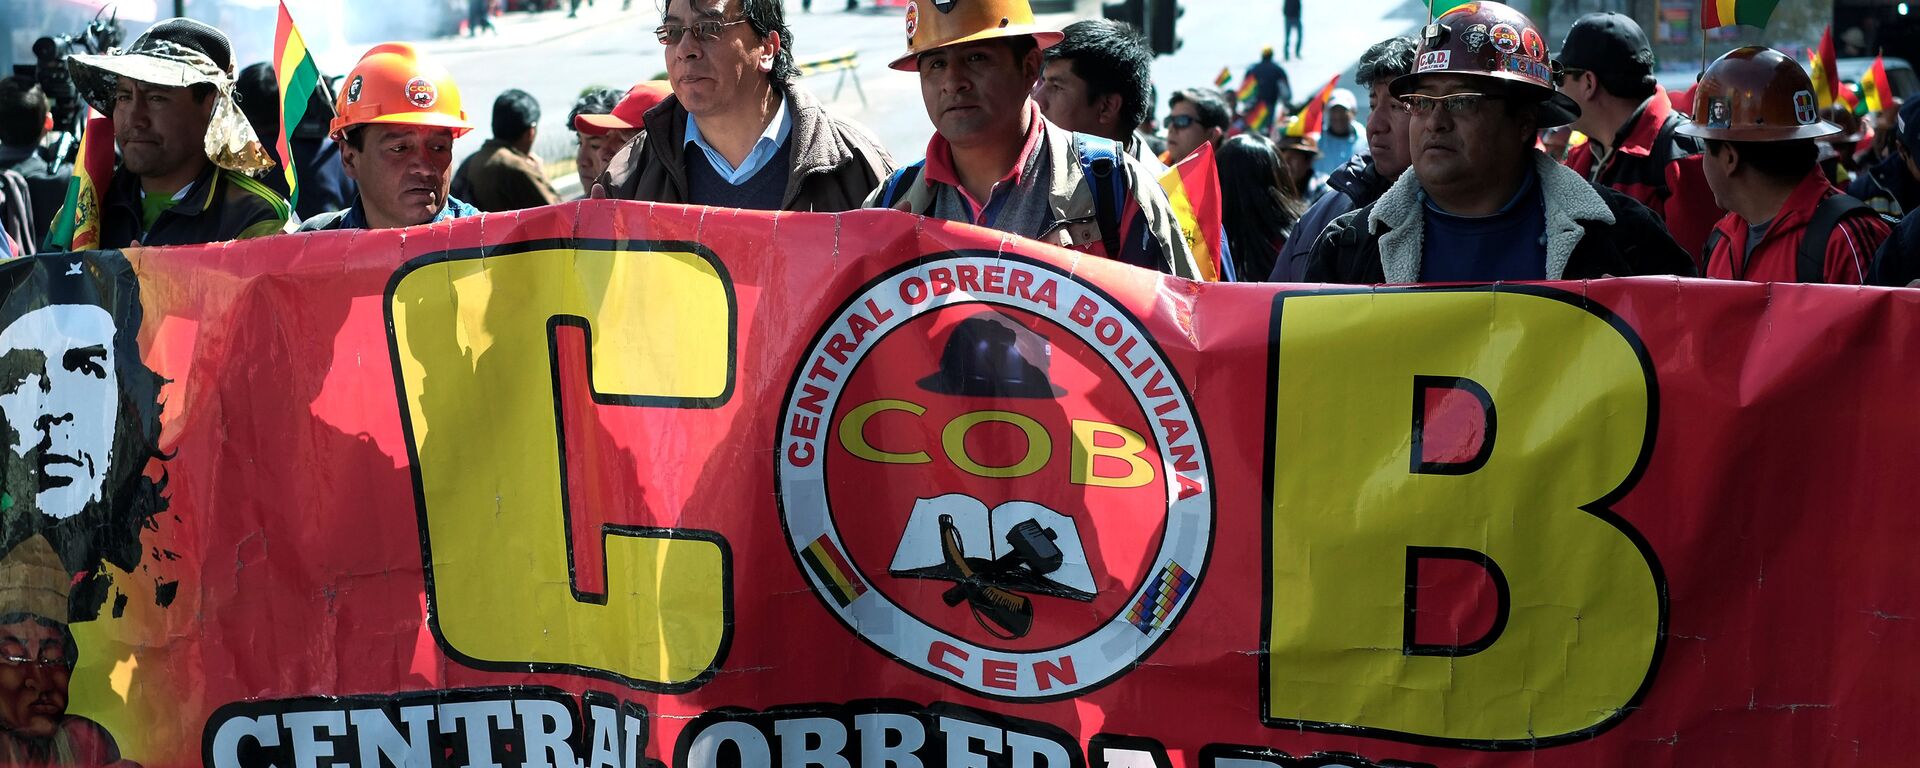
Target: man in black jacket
1364	177
1480	203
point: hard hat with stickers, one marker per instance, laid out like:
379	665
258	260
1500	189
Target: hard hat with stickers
1492	41
1756	94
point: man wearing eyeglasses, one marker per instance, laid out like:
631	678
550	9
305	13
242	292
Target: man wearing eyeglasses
1480	204
995	161
737	131
1606	67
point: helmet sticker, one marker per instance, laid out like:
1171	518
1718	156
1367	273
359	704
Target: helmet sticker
1433	60
1506	39
1475	38
1530	69
1803	109
353	89
913	19
1535	47
422	92
1718	114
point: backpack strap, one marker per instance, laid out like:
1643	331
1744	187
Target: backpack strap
898	182
1100	165
1811	261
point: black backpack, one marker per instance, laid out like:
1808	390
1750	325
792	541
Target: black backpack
1810	261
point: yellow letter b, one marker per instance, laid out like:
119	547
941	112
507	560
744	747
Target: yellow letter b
1488	426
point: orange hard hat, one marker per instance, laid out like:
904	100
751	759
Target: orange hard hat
395	84
939	23
1756	94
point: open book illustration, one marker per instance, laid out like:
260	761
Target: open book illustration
1018	546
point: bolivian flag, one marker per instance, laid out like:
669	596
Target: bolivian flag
1246	89
77	226
1879	94
830	568
1313	113
1715	14
1225	76
1826	81
1259	117
293	67
1193	189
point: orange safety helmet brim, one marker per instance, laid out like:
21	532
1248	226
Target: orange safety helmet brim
394	84
948	23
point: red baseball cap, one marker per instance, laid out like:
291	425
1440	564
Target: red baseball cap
627	114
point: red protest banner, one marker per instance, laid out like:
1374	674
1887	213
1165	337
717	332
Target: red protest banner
608	483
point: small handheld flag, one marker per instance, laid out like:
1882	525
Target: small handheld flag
1259	118
1715	14
1246	89
298	77
77	226
1878	92
1312	113
1225	76
1193	190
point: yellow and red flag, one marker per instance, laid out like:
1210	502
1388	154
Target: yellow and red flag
1879	93
1312	114
1826	80
1849	99
77	226
1193	188
1225	76
298	76
1719	13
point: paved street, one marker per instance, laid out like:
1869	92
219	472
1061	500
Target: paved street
553	57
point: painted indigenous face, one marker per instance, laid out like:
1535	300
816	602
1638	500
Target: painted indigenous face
33	678
59	393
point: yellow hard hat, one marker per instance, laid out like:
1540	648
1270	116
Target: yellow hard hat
939	23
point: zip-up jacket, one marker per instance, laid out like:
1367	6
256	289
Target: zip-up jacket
1591	232
1849	252
221	205
1661	169
835	164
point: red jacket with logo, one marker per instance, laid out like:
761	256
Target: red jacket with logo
1661	169
1849	252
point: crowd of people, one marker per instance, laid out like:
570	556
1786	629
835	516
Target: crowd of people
1483	155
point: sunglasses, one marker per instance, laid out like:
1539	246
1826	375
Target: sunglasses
1421	105
703	31
1561	77
1182	121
